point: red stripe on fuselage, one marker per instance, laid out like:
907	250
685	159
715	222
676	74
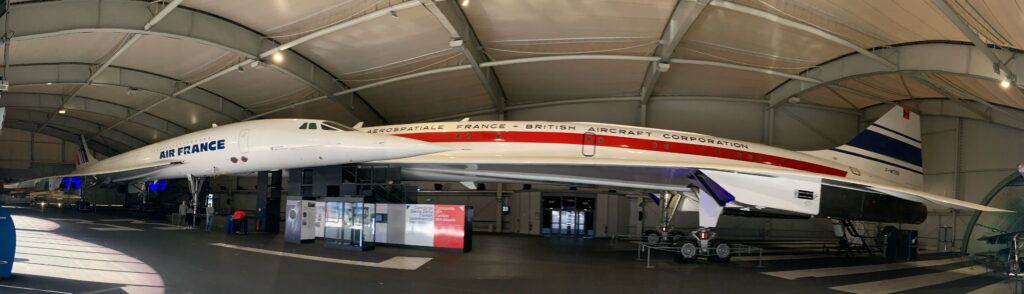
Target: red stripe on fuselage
623	142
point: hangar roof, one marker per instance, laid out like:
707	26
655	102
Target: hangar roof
130	73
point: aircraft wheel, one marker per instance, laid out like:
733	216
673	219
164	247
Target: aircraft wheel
676	237
651	237
688	251
723	252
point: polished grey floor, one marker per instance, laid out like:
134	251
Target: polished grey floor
86	253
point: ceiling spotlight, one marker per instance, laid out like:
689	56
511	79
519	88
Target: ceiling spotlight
49	84
465	3
214	125
794	99
394	13
132	91
62	111
278	57
241	68
1005	83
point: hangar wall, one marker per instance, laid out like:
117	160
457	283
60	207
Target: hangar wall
25	154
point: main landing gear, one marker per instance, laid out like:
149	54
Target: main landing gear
701	242
704	242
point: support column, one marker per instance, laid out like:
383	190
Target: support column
262	193
272	212
501	203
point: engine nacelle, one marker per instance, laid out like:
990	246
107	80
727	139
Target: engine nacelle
865	206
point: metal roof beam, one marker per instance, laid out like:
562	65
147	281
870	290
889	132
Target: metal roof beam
997	64
683	16
635	98
803	27
541	59
334	86
79	125
762	70
132	38
90	105
62	134
78	73
950	58
54	18
956	95
454	20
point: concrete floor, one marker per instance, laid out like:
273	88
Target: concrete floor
68	252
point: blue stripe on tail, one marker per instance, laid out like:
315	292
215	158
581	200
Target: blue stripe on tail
872	141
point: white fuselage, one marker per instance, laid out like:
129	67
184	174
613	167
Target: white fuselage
258	146
539	144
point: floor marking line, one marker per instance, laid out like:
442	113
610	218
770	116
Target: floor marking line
852	270
994	288
34	289
785	257
912	282
108	227
139	222
397	262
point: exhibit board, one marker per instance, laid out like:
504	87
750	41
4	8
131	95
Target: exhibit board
441	226
321	215
425	225
293	221
449	226
380	224
419	225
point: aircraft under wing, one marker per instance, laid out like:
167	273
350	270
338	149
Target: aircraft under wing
122	174
572	171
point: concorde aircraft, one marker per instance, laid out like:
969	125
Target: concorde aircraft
241	147
877	176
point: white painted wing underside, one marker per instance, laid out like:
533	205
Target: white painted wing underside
453	168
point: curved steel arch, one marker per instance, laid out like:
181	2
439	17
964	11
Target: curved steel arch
60	133
72	123
51	18
948	57
628	99
79	73
489	64
51	117
91	105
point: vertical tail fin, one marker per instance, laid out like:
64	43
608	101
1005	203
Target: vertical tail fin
84	153
889	149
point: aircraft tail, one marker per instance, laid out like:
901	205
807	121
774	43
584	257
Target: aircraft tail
889	149
84	153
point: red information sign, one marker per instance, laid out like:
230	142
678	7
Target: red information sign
449	226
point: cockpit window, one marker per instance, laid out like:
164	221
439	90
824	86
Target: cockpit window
304	126
312	126
327	128
337	126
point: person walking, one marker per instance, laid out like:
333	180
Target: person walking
182	210
210	213
190	212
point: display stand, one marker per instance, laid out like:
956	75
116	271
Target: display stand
350	224
7	243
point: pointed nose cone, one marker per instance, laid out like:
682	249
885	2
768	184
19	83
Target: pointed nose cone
398	147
